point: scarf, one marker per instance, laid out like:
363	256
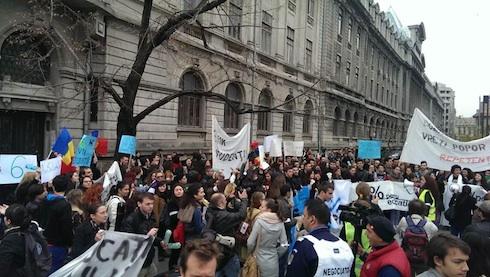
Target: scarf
459	181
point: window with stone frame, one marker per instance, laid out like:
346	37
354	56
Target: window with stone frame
234	94
290	45
288	115
309	56
307	117
191	107
266	45
235	18
264	118
25	58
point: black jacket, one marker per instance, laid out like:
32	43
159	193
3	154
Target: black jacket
224	222
56	219
138	223
84	238
482	228
12	253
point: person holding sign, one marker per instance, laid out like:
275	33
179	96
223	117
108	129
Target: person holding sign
91	230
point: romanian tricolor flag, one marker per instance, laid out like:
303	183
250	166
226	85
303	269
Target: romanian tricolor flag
64	146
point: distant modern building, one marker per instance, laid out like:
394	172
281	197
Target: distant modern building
449	115
466	128
482	116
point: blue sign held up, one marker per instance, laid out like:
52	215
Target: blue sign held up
369	149
85	150
128	145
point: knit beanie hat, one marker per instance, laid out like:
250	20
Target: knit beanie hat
383	228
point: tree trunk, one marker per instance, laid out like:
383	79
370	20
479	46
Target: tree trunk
126	125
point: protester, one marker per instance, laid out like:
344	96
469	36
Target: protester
160	199
481	228
86	183
269	236
141	221
224	223
191	211
168	221
253	211
429	194
199	258
36	194
447	256
116	206
74	197
319	251
387	259
12	245
464	207
56	220
91	230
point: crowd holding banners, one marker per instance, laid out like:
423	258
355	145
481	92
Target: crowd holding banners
324	207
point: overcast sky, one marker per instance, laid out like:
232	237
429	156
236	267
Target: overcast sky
457	45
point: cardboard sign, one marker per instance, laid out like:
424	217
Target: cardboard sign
128	145
111	177
276	147
293	148
369	149
13	167
117	254
50	169
85	150
268	142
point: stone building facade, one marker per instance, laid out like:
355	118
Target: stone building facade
334	71
466	128
449	115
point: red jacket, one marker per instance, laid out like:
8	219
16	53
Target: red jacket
392	254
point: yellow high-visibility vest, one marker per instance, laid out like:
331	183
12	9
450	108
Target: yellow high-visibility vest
349	236
432	209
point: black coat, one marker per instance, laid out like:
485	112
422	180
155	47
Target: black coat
482	228
12	253
463	207
224	222
138	223
84	238
56	219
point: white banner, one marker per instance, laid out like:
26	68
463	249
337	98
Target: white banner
476	191
426	143
13	167
391	195
229	152
111	177
118	254
293	148
268	142
50	169
276	147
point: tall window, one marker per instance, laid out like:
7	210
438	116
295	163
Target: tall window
336	122
234	94
264	118
356	76
287	116
25	58
94	102
266	32
307	117
358	42
346	123
235	18
309	55
355	124
190	111
290	45
311	8
347	73
340	19
292	5
349	33
338	62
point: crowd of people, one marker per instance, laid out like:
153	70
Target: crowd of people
247	223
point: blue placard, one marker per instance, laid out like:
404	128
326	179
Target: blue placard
369	149
127	145
85	150
300	199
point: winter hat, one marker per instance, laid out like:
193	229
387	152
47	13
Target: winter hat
383	228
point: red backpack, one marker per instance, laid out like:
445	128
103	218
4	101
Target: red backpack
415	241
179	233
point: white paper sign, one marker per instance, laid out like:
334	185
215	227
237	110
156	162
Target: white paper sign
263	164
391	195
293	148
50	169
111	177
268	142
229	152
118	254
276	148
13	167
426	143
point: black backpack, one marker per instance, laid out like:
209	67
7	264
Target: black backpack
38	257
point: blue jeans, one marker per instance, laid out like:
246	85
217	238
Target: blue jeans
231	269
58	256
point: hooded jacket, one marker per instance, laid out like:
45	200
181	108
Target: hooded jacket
56	220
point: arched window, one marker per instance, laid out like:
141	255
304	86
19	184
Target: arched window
382	132
288	115
264	118
307	117
354	125
346	123
191	107
378	128
372	129
234	94
336	121
25	58
366	127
